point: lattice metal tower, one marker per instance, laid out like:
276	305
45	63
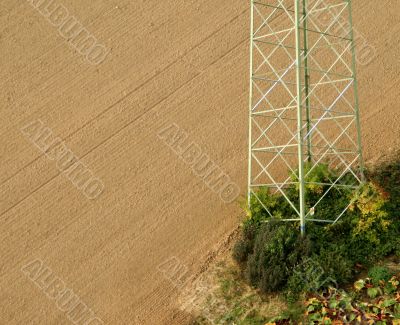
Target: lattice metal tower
303	101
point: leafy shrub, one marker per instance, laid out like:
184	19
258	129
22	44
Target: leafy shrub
263	207
369	304
273	255
335	263
244	246
366	304
379	273
386	177
329	268
371	220
278	248
316	175
241	250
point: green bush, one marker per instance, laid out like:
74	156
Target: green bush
263	206
244	246
367	304
386	177
379	273
328	268
241	250
274	256
278	248
336	265
371	219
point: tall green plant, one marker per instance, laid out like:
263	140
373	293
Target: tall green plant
371	219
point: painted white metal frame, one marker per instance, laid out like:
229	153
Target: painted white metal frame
302	84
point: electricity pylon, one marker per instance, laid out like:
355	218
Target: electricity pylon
303	101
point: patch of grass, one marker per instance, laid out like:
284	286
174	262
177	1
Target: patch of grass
232	301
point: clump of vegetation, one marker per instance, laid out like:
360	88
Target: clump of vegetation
231	301
278	248
386	177
275	258
378	274
313	272
367	304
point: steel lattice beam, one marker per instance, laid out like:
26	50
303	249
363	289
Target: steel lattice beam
303	99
